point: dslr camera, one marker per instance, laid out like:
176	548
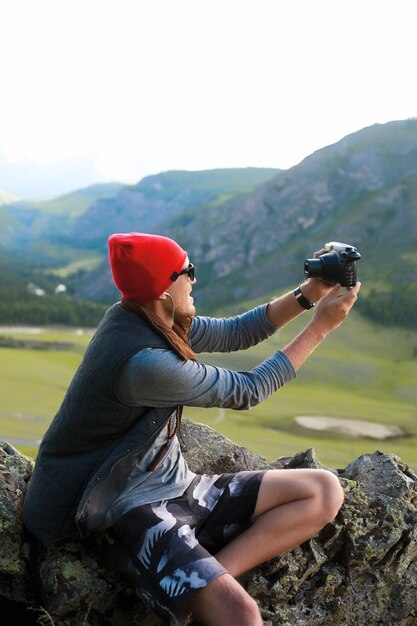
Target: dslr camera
338	265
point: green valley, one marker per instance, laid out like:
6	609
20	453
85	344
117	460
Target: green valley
362	371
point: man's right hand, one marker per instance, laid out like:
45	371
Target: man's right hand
329	313
334	307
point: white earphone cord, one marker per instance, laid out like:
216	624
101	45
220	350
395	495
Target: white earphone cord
173	303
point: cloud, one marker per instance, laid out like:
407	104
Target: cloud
128	89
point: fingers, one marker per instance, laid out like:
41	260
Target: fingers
351	296
319	253
354	290
336	291
336	299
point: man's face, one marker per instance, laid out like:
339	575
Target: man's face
180	290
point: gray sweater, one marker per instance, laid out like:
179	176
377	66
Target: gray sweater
160	378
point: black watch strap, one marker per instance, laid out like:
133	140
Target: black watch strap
302	300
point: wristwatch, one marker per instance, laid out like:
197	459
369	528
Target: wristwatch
302	300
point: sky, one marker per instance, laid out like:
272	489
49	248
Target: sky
115	90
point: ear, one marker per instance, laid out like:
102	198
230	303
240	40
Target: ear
163	296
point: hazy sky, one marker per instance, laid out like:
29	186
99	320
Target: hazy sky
99	90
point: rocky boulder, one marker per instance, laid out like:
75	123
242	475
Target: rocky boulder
360	570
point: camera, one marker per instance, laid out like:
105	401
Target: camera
338	265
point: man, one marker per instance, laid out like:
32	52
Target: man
110	465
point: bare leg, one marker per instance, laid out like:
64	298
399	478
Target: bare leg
292	506
223	602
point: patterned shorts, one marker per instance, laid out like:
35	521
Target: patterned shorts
165	549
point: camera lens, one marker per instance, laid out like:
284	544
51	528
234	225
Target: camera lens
326	267
313	268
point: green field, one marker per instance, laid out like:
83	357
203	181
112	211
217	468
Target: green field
362	371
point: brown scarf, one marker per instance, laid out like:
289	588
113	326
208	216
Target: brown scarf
176	337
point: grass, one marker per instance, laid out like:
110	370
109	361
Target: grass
33	383
87	264
362	371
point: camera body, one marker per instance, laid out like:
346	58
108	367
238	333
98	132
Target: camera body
338	265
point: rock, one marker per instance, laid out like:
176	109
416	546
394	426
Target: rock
359	570
206	451
362	568
15	471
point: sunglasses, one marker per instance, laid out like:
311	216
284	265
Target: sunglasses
190	270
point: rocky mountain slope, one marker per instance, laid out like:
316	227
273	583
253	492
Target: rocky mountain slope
361	190
148	205
88	215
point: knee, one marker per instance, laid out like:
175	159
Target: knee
248	612
330	494
243	610
224	602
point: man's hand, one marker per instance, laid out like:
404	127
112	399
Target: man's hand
329	313
334	307
285	308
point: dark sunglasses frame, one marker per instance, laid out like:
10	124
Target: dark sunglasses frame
190	270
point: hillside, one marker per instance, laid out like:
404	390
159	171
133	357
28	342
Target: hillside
78	216
248	231
65	236
147	205
42	221
361	190
29	296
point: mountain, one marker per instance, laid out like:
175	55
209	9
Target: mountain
63	238
79	201
145	206
361	190
79	215
26	221
249	231
152	204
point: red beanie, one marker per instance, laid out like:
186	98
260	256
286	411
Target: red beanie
142	265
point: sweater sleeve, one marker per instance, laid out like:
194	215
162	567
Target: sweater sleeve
158	378
210	334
